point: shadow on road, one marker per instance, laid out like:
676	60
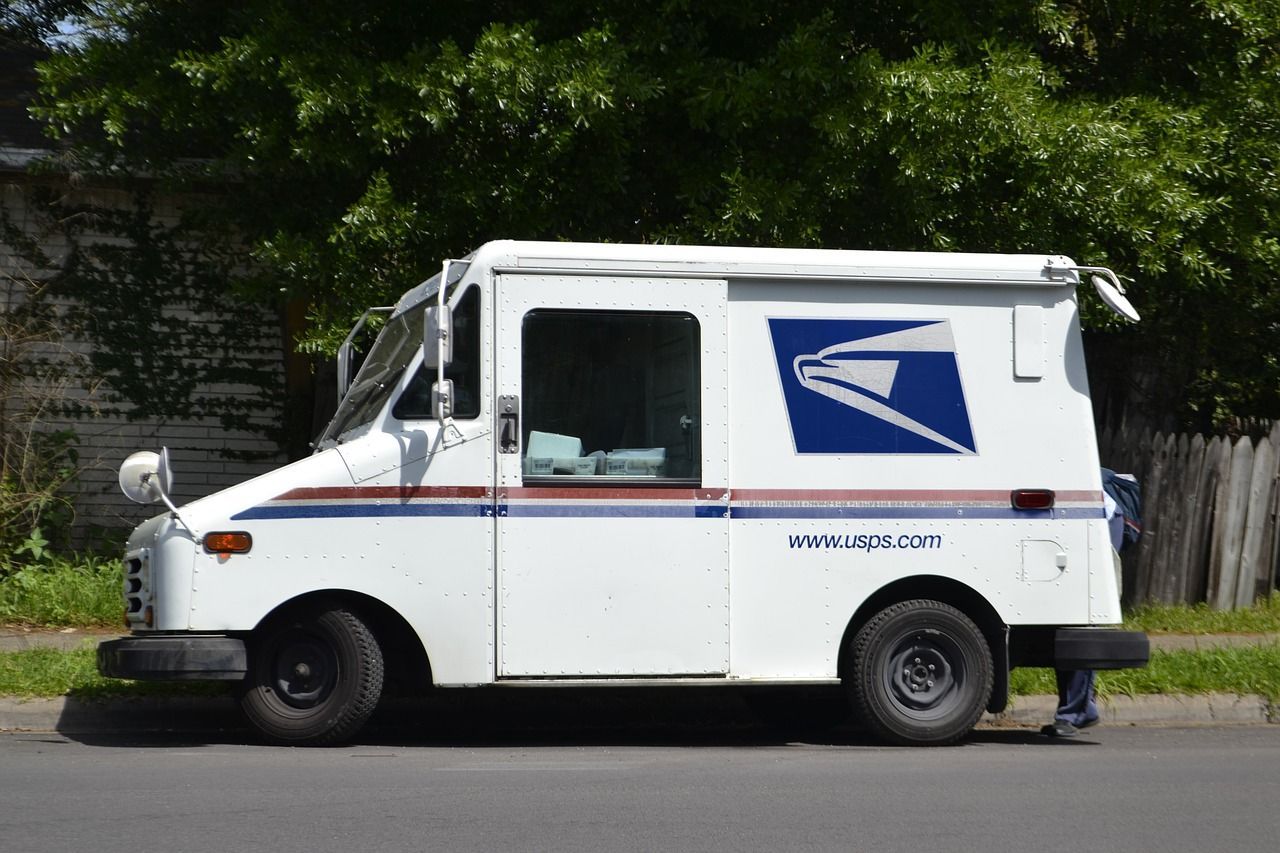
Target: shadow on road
694	717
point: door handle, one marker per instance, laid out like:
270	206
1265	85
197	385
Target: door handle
508	423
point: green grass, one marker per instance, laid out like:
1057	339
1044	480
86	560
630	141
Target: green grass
45	673
1240	670
1261	618
84	592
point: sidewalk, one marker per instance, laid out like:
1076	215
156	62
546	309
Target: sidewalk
76	716
67	639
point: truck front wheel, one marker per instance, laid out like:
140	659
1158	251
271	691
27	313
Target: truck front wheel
314	677
922	673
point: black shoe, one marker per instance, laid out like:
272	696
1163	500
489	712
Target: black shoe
1059	728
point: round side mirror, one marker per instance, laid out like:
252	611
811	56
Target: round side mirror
1115	298
145	477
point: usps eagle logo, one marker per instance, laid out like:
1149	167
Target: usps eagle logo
872	386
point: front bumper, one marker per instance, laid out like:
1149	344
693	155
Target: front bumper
1100	648
170	657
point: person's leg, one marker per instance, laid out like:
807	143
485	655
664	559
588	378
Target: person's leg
1077	708
1076	702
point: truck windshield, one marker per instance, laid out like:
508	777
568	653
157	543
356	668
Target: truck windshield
395	347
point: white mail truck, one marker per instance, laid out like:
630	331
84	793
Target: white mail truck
584	464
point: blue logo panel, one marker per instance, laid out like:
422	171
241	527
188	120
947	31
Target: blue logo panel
872	386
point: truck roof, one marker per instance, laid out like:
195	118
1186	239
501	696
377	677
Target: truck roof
780	265
742	262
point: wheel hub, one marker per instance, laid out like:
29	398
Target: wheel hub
922	675
304	670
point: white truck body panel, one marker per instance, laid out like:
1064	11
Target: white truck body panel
851	419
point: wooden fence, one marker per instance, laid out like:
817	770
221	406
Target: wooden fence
1209	515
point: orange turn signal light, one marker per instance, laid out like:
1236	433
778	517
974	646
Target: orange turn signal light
228	543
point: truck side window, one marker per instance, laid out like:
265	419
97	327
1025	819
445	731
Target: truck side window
611	394
464	370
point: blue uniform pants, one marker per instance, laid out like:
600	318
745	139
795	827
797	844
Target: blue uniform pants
1076	703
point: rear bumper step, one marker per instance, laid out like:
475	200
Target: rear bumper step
1100	648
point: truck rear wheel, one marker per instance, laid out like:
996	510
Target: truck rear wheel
314	678
922	673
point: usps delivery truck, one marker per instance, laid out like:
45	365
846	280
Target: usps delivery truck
664	465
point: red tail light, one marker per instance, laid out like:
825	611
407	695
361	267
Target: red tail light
1031	498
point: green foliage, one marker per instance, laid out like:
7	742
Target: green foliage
34	546
39	467
51	591
33	22
38	461
366	140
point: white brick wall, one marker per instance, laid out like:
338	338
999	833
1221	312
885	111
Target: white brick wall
199	448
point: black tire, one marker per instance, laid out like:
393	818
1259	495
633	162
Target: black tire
314	678
922	673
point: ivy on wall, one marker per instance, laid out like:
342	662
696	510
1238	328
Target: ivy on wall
168	334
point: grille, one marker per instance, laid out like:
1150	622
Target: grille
137	587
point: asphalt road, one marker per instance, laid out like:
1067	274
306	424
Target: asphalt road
1131	789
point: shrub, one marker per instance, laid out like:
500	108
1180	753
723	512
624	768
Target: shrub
54	591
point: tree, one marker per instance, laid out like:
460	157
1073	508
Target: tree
33	23
357	143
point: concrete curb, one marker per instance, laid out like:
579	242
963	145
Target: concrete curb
1207	709
211	714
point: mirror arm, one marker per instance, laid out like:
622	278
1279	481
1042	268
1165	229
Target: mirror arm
449	432
344	351
1105	273
157	483
441	332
